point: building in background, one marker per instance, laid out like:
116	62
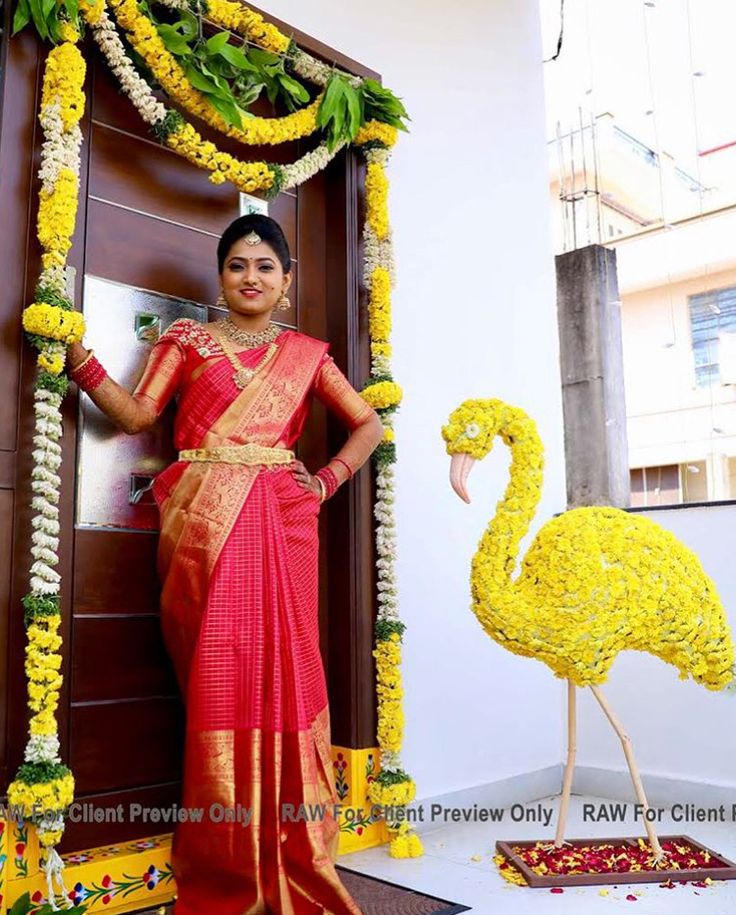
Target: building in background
677	284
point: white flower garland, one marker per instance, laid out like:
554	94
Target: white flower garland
308	166
60	152
60	148
45	484
132	84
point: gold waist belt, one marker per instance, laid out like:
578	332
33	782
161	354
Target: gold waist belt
239	454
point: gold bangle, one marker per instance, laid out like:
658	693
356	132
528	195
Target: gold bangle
322	487
84	362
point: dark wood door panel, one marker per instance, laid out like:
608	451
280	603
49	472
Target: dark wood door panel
119	656
151	254
18	105
284	210
154	180
115	572
126	744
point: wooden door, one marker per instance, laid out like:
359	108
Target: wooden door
149	221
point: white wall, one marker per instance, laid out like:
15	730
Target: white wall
474	317
679	729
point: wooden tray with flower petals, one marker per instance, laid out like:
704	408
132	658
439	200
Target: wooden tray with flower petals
591	862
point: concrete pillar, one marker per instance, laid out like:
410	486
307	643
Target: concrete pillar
591	365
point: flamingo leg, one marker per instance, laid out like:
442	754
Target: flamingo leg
569	765
633	769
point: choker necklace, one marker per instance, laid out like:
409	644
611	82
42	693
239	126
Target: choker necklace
242	338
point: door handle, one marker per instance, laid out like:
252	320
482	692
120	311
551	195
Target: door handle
140	489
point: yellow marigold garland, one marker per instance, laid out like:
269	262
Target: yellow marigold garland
379	310
382	395
249	24
388	677
406	844
376	132
53	322
376	192
92	10
57	214
64	79
255	131
246	176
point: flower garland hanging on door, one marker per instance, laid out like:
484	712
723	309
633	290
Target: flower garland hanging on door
349	110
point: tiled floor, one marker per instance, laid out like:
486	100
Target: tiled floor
447	869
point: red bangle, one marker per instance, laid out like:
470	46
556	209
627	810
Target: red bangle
346	466
330	481
89	375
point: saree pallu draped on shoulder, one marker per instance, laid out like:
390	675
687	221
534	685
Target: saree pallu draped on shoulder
238	561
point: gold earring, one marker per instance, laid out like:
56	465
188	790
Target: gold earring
221	303
283	303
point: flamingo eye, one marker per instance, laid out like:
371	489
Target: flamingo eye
472	430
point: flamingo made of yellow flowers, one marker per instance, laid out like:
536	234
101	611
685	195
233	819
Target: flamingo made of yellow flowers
595	581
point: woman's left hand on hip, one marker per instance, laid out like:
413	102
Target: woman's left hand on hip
304	478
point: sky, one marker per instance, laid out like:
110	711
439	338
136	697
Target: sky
637	59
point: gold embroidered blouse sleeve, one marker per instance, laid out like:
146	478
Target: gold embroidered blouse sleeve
333	389
162	374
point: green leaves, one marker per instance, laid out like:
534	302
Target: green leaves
174	40
346	107
382	105
341	113
269	75
22	16
45	16
231	77
23	905
41	773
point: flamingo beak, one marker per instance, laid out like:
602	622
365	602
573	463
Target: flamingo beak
460	467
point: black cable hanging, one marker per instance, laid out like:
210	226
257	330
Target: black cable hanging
561	35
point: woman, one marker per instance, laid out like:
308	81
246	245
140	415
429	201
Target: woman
237	558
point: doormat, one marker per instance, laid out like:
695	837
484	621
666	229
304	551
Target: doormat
378	897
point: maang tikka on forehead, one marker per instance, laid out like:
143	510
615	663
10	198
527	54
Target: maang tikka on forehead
252	238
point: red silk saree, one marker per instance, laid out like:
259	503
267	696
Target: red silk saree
238	556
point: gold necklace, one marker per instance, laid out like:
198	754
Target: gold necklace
250	341
243	376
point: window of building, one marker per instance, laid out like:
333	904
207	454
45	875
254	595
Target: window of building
655	486
670	484
694	482
712	315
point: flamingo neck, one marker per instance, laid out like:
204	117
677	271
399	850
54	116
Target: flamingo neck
497	554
